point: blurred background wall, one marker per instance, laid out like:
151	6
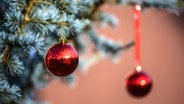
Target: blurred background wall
162	59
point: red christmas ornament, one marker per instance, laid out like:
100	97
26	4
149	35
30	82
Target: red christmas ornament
138	84
62	59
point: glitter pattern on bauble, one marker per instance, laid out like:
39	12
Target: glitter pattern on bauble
62	59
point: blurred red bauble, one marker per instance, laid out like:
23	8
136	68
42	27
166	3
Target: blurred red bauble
138	84
62	59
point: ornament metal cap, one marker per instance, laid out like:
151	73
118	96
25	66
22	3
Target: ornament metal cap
63	40
138	68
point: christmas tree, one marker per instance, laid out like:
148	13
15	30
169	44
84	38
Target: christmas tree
30	27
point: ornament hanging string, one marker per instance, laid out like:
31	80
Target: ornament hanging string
62	38
137	23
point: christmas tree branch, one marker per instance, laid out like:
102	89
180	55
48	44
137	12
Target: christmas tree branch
6	54
128	45
9	94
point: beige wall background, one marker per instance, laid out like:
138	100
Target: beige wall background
162	58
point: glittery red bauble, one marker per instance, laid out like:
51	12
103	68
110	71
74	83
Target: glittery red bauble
138	84
62	59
